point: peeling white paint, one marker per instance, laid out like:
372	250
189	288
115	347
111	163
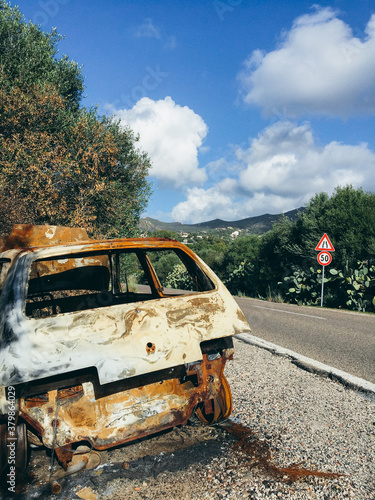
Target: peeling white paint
50	233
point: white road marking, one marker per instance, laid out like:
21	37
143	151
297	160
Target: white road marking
289	312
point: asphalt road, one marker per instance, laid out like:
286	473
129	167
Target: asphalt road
342	339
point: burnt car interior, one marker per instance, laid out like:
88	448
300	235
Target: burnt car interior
98	279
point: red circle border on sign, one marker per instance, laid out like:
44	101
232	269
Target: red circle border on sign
326	263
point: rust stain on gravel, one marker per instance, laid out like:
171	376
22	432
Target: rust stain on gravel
257	452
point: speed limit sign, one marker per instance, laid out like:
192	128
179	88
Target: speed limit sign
324	247
324	258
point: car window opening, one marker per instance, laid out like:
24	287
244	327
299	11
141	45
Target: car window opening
69	283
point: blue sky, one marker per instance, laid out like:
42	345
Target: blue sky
245	107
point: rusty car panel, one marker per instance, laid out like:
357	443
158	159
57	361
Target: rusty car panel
102	345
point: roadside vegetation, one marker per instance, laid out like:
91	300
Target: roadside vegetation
282	264
60	162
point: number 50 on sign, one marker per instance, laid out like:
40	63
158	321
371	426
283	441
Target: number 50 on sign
324	258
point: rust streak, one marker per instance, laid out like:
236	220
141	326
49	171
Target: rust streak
258	454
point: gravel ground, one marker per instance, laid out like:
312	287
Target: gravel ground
299	417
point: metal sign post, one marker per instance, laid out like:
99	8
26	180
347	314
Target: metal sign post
324	258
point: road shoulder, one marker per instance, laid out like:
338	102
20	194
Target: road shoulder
311	365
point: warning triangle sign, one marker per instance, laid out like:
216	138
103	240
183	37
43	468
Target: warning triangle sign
324	244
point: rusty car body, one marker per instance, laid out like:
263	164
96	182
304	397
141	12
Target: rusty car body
98	348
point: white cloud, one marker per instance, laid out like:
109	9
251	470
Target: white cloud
281	170
224	201
172	135
206	204
319	68
285	161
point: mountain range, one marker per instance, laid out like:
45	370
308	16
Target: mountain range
257	225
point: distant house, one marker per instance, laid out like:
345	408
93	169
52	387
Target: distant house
235	234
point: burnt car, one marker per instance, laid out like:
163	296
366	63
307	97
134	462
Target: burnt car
105	342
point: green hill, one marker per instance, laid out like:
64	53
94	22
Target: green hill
256	225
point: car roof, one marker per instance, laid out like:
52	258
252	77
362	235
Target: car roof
25	237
